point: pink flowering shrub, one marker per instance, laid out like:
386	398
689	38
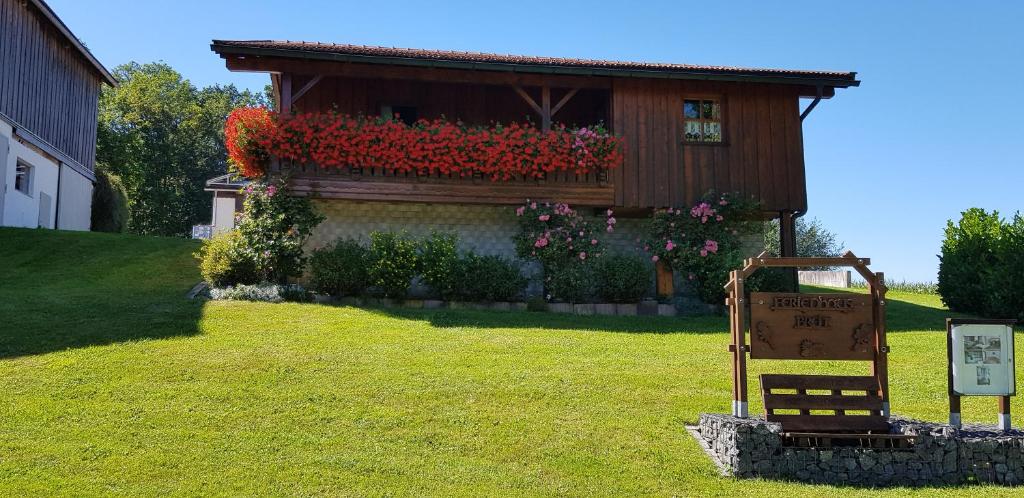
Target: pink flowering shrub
272	228
703	242
564	243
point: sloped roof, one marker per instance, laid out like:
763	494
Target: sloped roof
62	28
479	60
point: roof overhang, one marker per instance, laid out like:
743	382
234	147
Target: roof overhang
228	49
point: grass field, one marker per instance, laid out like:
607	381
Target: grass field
114	383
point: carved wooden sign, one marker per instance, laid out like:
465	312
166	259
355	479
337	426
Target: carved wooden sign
789	326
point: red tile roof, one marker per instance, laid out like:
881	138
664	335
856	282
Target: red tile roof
303	49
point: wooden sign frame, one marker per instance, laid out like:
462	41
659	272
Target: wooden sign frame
954	396
738	308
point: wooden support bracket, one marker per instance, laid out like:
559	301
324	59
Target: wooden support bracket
307	87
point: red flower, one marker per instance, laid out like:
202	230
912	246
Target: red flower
333	140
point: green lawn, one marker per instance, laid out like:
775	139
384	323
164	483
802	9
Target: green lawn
113	383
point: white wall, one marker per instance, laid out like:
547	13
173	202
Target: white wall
21	209
75	200
223	212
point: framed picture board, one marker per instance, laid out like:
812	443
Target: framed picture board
981	358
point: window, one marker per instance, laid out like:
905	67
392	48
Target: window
702	119
23	178
406	113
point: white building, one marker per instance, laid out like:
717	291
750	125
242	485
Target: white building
49	90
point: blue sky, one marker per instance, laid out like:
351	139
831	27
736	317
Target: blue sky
935	128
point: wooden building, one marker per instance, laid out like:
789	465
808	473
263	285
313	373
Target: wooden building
688	129
49	90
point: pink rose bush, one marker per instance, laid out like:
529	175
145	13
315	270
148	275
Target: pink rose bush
704	241
559	238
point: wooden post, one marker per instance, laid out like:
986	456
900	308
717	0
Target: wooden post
1004	413
545	106
787	246
286	93
663	276
881	363
739	350
954	398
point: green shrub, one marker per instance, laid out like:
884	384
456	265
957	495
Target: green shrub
1005	298
982	264
487	278
621	278
273	228
439	259
394	261
967	258
109	203
222	263
340	269
571	283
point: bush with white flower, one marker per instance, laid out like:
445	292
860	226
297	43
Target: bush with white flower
560	238
703	242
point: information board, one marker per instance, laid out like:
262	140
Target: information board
982	359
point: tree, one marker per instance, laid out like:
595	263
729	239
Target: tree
164	138
812	239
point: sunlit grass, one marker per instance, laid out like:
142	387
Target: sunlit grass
113	383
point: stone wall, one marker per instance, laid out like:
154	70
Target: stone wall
940	455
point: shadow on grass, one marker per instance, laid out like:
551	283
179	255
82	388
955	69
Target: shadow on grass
906	312
561	321
61	290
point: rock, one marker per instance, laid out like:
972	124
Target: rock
583	309
198	290
433	304
501	306
867	462
560	307
629	309
647	308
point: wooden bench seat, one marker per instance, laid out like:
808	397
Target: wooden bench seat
838	402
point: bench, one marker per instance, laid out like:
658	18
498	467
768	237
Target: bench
824	413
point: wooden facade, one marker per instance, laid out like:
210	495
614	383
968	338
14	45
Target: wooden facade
49	83
761	154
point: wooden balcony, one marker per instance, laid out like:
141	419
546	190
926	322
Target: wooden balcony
380	184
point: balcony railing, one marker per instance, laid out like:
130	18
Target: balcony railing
592	188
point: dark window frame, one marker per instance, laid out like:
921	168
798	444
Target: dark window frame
23	177
722	115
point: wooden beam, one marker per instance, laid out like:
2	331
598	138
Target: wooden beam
490	193
305	88
563	101
545	104
286	93
529	100
275	83
377	71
